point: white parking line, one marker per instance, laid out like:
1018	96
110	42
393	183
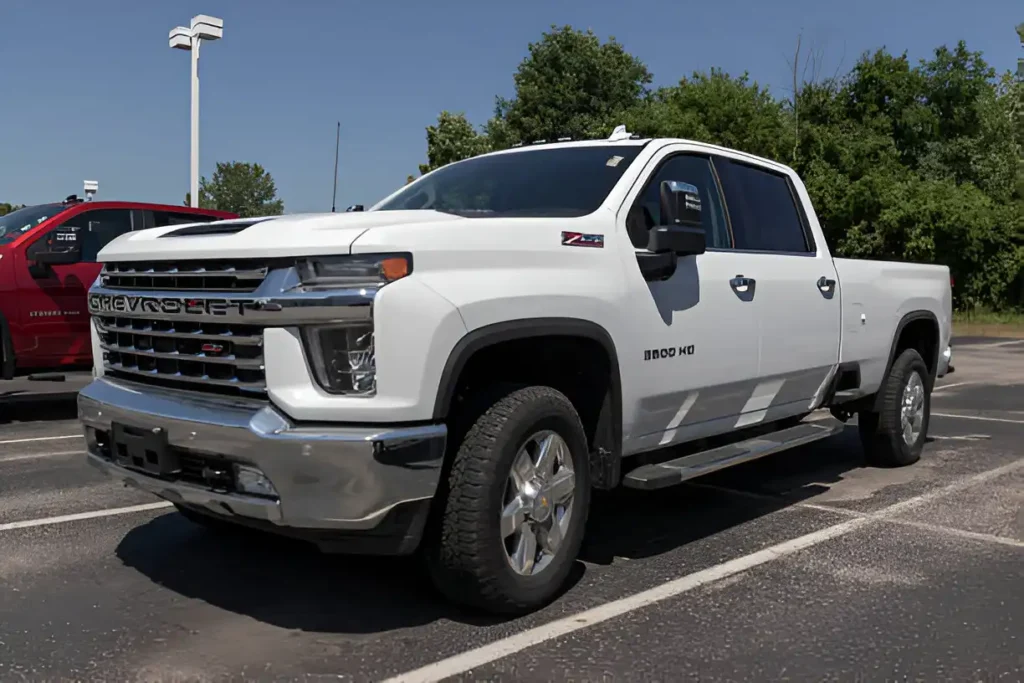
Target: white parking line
936	528
44	438
34	456
951	386
111	512
961	533
979	417
992	345
472	659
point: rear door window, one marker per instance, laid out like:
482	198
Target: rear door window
762	209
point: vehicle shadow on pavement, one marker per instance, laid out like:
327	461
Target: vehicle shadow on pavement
637	524
290	584
285	582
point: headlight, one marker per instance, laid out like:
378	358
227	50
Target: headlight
342	358
360	270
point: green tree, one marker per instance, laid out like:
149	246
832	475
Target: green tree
452	139
715	108
6	208
1020	60
240	187
570	85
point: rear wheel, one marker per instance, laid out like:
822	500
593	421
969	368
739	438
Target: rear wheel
895	435
512	522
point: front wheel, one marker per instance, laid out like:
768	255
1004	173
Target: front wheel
895	435
518	497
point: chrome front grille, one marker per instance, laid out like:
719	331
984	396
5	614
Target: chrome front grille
197	355
183	276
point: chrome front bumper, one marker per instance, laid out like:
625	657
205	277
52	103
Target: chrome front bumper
324	477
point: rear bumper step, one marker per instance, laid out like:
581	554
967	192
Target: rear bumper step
661	475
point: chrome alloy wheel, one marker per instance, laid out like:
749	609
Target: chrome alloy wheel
912	409
538	503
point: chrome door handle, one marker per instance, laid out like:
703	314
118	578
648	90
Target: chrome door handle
826	285
742	284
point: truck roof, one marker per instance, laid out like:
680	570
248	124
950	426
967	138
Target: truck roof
117	204
636	141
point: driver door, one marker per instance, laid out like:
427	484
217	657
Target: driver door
695	359
55	317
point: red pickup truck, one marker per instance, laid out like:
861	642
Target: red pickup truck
47	264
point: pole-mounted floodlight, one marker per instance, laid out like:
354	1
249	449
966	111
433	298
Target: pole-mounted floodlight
203	27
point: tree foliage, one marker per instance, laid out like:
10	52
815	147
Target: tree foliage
452	139
6	208
239	187
570	85
918	162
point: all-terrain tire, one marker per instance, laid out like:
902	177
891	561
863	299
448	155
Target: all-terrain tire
882	433
465	552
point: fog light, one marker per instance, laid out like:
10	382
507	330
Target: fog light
251	480
343	358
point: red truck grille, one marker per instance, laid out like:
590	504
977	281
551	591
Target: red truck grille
194	355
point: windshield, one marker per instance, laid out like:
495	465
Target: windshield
23	220
561	181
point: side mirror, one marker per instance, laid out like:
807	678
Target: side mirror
671	239
680	231
63	247
680	204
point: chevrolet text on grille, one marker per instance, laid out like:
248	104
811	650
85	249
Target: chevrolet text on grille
124	303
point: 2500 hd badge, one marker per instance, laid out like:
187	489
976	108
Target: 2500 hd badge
671	352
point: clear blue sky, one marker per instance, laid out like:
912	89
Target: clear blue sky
97	94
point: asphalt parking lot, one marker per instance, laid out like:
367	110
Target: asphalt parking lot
802	566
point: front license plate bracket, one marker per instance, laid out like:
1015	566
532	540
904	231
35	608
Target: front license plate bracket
143	449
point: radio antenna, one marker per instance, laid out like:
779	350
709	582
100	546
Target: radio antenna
337	143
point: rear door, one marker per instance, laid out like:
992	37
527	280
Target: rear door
57	319
796	284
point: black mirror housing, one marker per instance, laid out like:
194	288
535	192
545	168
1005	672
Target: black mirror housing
679	240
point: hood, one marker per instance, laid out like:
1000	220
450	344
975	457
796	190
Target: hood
273	236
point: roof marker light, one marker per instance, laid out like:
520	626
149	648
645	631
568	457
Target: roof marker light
620	133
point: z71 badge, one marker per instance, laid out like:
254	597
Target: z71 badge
582	239
671	352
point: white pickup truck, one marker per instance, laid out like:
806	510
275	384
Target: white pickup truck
453	371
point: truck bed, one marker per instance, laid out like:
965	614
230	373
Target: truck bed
876	295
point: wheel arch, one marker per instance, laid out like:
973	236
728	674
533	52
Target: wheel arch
606	451
914	319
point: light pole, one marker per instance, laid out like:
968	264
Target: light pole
203	27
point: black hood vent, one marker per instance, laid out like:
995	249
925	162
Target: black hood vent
223	228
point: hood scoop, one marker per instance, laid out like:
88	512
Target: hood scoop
219	228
